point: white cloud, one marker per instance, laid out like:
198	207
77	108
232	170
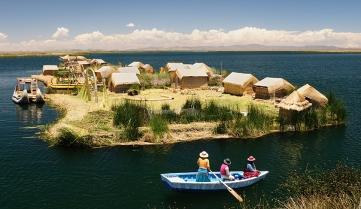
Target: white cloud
130	25
61	33
158	39
3	36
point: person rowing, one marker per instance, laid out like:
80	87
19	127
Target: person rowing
250	170
204	167
224	170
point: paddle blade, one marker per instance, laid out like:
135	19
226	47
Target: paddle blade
235	195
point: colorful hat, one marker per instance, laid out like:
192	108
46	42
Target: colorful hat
251	158
227	161
203	154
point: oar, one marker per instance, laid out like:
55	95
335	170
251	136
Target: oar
234	193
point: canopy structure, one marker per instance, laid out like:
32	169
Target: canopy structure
295	102
133	70
104	72
238	83
272	87
314	96
98	62
50	69
121	82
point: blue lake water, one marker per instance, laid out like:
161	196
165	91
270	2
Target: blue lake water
33	175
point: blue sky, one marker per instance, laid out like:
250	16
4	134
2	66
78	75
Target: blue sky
39	19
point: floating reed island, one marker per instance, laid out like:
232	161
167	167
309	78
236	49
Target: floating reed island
109	105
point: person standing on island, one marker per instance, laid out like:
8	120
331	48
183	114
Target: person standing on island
204	167
225	173
251	170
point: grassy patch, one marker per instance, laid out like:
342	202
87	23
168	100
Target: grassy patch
68	138
159	126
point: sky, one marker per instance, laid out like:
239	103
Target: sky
135	24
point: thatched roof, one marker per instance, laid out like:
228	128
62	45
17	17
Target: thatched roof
98	61
241	79
124	78
136	64
83	62
173	66
133	70
311	93
274	84
187	71
202	66
105	71
294	101
50	68
148	68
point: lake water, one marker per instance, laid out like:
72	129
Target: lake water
33	175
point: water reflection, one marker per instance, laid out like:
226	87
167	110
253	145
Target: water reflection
29	113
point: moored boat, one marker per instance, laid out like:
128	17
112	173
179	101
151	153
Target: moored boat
187	181
27	91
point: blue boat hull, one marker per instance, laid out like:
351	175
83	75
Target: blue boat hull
186	181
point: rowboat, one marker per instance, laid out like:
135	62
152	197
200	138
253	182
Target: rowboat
27	91
187	181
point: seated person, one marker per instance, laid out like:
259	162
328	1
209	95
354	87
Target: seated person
251	170
225	174
204	167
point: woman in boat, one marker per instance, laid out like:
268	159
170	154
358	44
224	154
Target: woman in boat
204	167
225	173
251	170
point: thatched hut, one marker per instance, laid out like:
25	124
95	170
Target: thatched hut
50	69
104	73
134	70
84	64
98	62
272	87
147	68
187	78
72	58
136	64
291	105
238	83
171	68
312	95
121	82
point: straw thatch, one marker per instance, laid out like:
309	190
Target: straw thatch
314	96
238	83
294	101
121	82
272	87
203	67
136	64
148	68
188	77
50	69
133	70
104	72
98	62
173	66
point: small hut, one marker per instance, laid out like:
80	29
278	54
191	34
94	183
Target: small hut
98	62
291	105
121	82
50	69
136	64
188	78
104	73
238	83
171	68
312	95
134	70
148	68
272	87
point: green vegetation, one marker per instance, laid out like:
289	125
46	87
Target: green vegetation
158	125
156	80
68	138
336	108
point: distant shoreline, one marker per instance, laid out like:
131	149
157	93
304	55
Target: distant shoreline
85	52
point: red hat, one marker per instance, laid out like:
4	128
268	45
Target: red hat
251	158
